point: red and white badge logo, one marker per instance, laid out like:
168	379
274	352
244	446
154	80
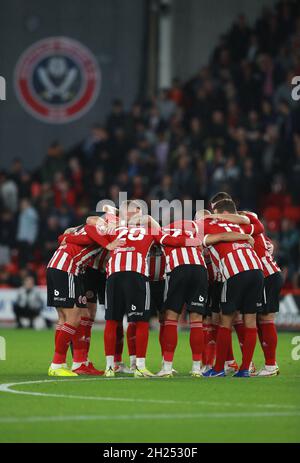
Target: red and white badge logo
57	80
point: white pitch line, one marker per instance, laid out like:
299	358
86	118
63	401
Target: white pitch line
6	387
159	416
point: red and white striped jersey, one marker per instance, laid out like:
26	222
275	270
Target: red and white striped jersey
176	256
71	257
156	263
263	247
231	257
214	273
132	256
100	260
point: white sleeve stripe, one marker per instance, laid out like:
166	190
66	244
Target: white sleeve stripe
162	238
196	226
204	241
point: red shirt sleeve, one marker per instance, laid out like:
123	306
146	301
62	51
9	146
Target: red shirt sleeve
81	240
255	227
181	240
102	240
207	227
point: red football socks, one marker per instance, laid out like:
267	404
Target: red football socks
119	343
268	338
210	351
131	338
142	335
110	337
57	331
170	339
89	322
161	336
62	342
240	331
196	340
230	355
205	338
79	343
248	347
222	347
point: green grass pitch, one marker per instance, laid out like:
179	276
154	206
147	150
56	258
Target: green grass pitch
181	409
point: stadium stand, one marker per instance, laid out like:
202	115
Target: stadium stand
232	127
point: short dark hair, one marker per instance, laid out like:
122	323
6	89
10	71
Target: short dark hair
226	205
218	197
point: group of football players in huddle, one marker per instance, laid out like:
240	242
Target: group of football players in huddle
217	268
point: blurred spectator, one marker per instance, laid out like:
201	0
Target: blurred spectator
165	190
161	151
48	236
165	105
28	304
27	231
96	141
289	244
233	126
98	188
117	116
7	236
53	163
183	177
8	193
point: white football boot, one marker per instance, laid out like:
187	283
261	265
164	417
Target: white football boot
120	367
268	370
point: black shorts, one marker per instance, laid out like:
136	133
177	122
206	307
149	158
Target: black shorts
157	291
187	284
243	292
94	284
127	293
214	297
65	289
272	288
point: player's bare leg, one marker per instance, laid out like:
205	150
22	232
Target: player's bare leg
267	334
196	342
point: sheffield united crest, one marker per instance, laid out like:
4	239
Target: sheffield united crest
57	80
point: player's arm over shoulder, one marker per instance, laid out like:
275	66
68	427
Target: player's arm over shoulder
255	227
239	219
226	237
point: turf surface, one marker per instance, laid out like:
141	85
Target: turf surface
181	409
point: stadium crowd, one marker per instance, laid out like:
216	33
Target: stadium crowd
233	127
